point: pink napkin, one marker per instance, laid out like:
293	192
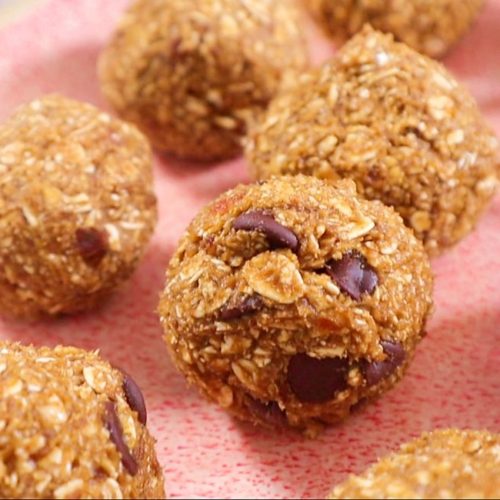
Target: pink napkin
454	380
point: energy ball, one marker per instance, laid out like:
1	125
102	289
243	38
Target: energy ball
72	426
191	73
288	302
77	206
429	26
443	464
395	122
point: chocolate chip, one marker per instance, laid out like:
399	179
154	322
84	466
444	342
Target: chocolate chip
375	371
353	275
317	380
92	245
277	235
249	305
116	433
269	412
134	397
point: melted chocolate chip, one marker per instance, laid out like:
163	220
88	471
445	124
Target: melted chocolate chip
353	275
277	235
134	397
114	427
269	412
375	371
317	380
248	305
92	245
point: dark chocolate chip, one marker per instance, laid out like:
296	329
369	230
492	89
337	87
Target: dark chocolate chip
114	427
353	275
277	235
92	245
249	305
317	380
269	412
134	397
375	371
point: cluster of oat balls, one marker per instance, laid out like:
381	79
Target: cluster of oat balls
290	300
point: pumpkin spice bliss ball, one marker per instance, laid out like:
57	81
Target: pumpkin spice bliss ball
77	206
289	301
191	73
448	463
72	426
429	26
398	124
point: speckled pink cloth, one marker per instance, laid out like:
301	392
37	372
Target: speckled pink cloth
454	380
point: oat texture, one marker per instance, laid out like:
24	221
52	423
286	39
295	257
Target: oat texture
76	206
70	428
442	464
395	122
429	26
190	73
289	301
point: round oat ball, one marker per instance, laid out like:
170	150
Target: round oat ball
395	122
191	73
429	26
288	302
72	426
77	206
443	464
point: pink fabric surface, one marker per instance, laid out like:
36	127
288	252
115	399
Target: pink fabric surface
454	380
